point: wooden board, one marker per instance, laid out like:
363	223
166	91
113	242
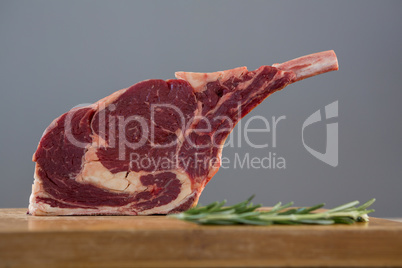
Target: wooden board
158	241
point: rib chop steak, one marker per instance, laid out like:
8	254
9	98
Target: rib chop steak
152	148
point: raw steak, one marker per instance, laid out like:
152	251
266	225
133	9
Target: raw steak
151	148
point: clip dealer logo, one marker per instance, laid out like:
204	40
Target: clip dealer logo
127	136
330	156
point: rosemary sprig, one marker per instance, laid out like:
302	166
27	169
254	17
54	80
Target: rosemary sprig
247	213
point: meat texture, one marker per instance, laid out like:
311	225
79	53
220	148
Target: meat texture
152	148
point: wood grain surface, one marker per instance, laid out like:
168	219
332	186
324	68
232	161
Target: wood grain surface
158	241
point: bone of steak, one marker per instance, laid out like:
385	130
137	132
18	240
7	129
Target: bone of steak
152	148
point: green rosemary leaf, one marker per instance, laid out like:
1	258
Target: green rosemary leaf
311	209
344	207
344	220
367	204
289	211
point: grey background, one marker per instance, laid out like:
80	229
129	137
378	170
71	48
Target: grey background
55	55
